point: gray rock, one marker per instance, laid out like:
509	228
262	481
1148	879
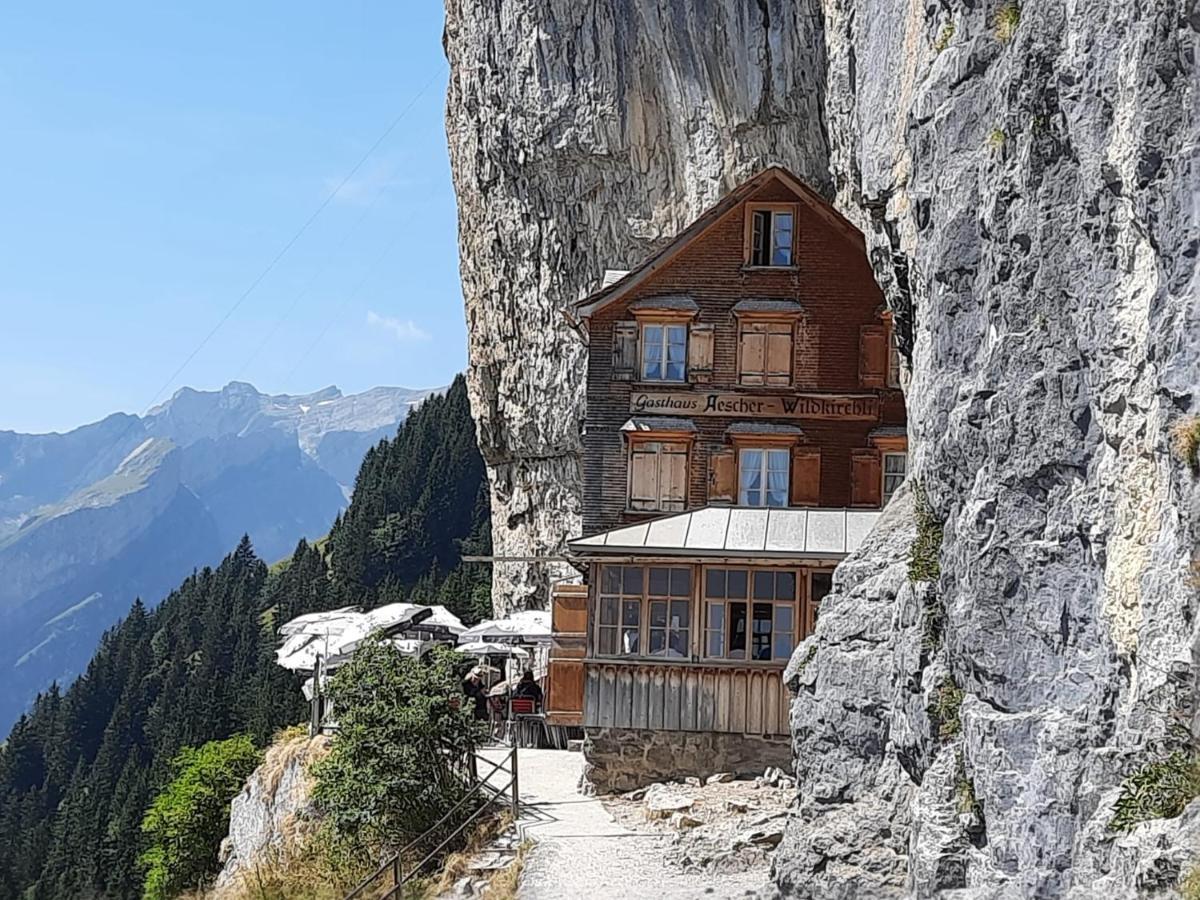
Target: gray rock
272	814
1027	192
581	137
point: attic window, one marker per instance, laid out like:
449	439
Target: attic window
770	235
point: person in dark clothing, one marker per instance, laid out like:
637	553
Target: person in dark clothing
474	689
528	688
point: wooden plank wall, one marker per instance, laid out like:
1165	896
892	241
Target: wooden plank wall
727	699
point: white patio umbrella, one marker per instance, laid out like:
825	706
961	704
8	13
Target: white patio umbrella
491	648
528	626
330	622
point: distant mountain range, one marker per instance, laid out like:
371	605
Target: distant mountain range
126	506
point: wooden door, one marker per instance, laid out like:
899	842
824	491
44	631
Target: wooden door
564	676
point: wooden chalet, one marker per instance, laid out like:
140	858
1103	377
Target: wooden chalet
744	428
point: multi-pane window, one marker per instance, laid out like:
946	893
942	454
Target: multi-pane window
895	467
765	353
664	352
749	614
893	375
771	237
668	596
658	473
819	586
763	477
644	611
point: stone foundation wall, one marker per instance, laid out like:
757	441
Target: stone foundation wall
621	759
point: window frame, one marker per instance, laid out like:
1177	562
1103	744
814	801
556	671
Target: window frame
885	495
643	343
643	626
752	211
892	379
636	443
766	377
794	606
766	449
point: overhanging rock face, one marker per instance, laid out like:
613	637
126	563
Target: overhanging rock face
1028	182
581	135
1026	179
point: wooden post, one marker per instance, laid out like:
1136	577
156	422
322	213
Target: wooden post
515	786
396	871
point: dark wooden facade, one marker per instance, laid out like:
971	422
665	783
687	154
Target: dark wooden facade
791	358
840	349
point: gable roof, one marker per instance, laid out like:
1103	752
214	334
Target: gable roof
611	291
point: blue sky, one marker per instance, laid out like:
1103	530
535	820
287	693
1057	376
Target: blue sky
156	158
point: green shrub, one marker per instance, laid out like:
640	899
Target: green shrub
389	774
944	707
944	37
996	138
964	795
923	562
1185	442
1159	790
187	821
1007	19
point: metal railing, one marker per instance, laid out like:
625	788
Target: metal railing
395	867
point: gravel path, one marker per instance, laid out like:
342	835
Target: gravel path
582	853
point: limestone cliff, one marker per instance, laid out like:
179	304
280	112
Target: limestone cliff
581	135
1027	178
270	820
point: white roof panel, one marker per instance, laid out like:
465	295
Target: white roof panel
740	531
747	529
708	529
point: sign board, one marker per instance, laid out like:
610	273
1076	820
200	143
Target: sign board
864	407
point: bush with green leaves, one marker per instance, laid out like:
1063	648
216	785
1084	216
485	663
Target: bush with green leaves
390	773
923	564
190	816
1160	790
944	708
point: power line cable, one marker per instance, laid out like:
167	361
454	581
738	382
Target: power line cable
370	270
295	237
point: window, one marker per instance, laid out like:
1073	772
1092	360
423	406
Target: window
771	237
895	467
750	614
819	586
636	600
664	352
658	475
763	477
765	352
893	373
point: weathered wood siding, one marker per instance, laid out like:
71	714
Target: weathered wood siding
834	284
731	699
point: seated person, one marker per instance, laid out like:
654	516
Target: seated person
474	689
529	689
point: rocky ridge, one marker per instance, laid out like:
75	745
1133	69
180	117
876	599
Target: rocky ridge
1026	176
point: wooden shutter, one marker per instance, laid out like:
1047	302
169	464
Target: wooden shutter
722	475
625	351
806	476
866	480
753	352
779	353
872	356
700	354
643	475
673	477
